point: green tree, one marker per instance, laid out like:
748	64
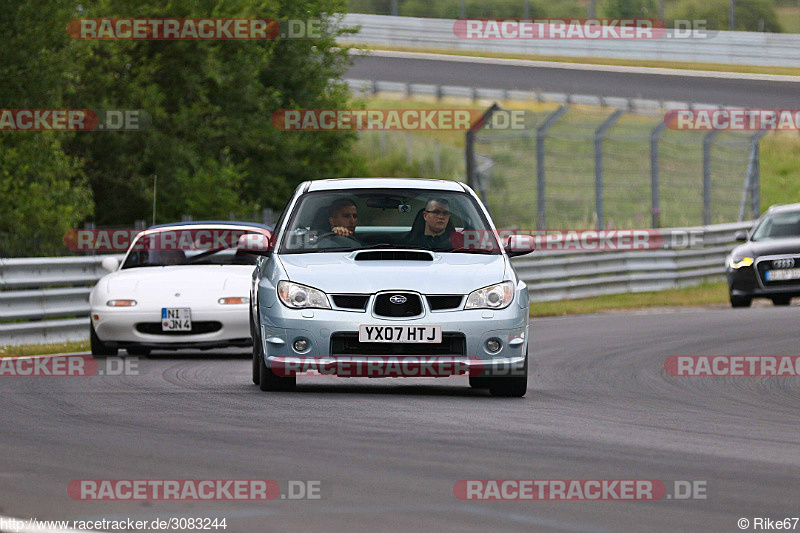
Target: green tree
43	192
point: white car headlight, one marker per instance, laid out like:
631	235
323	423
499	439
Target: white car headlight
299	296
744	262
492	297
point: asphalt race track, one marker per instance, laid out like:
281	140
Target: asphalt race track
388	451
732	91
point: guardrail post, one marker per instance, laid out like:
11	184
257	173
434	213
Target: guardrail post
598	164
708	139
541	135
655	199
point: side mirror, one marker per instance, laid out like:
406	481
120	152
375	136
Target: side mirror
110	263
255	243
740	235
517	245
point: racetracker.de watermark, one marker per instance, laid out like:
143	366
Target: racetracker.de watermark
67	366
195	29
733	365
578	240
195	489
74	119
580	29
733	119
119	240
395	120
577	490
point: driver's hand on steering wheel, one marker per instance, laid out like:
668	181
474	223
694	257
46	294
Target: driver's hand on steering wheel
342	231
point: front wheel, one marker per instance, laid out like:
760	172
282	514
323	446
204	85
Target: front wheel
781	300
512	386
741	301
269	381
98	347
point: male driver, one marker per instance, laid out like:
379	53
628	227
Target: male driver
343	216
437	219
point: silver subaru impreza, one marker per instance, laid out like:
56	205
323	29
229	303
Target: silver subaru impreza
388	277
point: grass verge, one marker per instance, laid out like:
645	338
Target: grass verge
44	349
703	294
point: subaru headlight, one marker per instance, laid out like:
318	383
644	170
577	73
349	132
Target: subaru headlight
743	262
492	297
299	296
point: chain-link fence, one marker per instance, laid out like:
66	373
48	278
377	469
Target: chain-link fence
594	167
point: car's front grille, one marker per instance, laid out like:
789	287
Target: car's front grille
398	304
449	301
198	327
351	301
767	264
345	343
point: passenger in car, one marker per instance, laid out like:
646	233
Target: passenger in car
433	228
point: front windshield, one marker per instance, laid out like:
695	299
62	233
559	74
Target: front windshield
196	246
778	226
442	221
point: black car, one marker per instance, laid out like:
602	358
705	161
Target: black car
767	265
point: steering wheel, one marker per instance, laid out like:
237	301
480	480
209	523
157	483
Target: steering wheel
332	240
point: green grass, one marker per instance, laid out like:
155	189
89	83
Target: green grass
788	18
704	294
681	65
44	349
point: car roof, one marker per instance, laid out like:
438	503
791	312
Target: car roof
210	223
783	208
337	184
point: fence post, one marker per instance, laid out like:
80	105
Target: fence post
708	139
437	158
755	181
598	164
541	135
655	199
473	179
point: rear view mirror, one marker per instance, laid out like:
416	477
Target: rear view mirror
740	235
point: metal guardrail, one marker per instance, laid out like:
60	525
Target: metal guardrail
731	47
642	106
559	275
46	300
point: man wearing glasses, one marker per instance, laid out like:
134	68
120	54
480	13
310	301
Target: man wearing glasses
437	229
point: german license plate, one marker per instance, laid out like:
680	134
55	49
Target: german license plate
176	319
404	333
782	274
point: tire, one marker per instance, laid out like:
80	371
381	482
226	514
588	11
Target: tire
268	381
480	382
98	348
139	351
741	301
257	356
781	300
510	387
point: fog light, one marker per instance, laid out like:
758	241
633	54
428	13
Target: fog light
300	345
493	345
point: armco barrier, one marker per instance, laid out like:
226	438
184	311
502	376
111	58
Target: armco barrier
46	300
731	47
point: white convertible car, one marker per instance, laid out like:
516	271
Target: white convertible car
183	285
